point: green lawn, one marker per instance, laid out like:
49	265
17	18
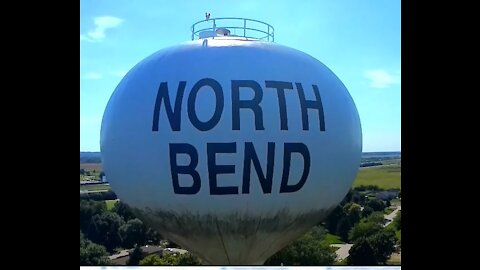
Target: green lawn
395	202
385	177
387	210
332	239
110	204
95	187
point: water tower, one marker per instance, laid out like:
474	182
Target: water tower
231	145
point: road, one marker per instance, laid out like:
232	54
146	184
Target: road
342	252
392	215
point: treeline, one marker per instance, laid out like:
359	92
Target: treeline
99	196
370	164
102	231
90	160
376	159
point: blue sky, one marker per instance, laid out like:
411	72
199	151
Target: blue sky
358	40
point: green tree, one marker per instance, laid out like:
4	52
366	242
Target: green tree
376	217
170	259
317	233
153	237
333	218
357	197
88	209
151	260
104	230
305	251
343	227
376	204
91	253
135	256
399	241
367	210
353	212
383	244
133	232
397	221
363	230
123	210
188	259
361	253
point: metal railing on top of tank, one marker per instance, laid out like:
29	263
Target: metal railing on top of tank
238	30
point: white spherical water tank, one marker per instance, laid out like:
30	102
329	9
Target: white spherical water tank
230	146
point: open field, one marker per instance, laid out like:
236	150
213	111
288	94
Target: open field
385	177
392	161
91	166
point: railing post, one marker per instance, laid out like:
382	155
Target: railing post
244	27
214	28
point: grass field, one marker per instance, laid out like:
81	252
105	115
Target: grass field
91	166
391	161
110	203
332	239
95	187
385	177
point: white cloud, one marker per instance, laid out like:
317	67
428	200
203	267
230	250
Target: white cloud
102	24
119	73
92	76
380	78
